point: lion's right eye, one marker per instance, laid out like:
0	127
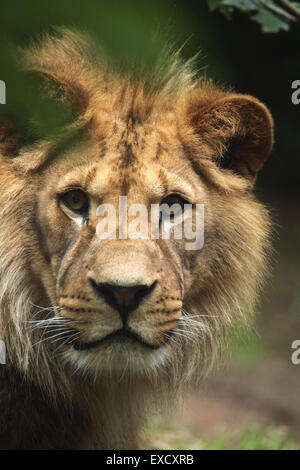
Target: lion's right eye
174	201
75	200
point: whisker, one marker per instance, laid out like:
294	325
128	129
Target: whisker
189	331
186	336
47	338
69	340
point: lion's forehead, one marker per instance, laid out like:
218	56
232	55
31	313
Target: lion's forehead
140	159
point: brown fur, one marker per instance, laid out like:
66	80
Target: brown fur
145	139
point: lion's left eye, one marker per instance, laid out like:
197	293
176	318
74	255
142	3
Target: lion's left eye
76	200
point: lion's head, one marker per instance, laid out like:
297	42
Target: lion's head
146	307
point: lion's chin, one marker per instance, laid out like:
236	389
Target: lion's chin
121	338
124	357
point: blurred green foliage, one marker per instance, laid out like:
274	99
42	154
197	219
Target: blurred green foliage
273	16
251	436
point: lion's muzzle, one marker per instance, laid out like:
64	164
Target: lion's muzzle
124	299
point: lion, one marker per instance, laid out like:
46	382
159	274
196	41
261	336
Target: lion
102	333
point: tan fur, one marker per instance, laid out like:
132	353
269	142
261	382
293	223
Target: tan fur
144	138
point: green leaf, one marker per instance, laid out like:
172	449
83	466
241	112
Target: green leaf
213	4
270	23
295	5
227	12
244	6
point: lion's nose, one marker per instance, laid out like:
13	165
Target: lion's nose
123	298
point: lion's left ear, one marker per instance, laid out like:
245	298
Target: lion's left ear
240	129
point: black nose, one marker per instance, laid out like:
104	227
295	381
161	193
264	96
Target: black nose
123	298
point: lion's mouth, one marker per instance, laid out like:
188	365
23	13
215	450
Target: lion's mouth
120	336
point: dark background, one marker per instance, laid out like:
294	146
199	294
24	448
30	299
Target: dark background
261	385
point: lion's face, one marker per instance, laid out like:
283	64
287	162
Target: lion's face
121	298
145	302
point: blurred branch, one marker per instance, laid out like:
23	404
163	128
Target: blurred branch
278	11
295	12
